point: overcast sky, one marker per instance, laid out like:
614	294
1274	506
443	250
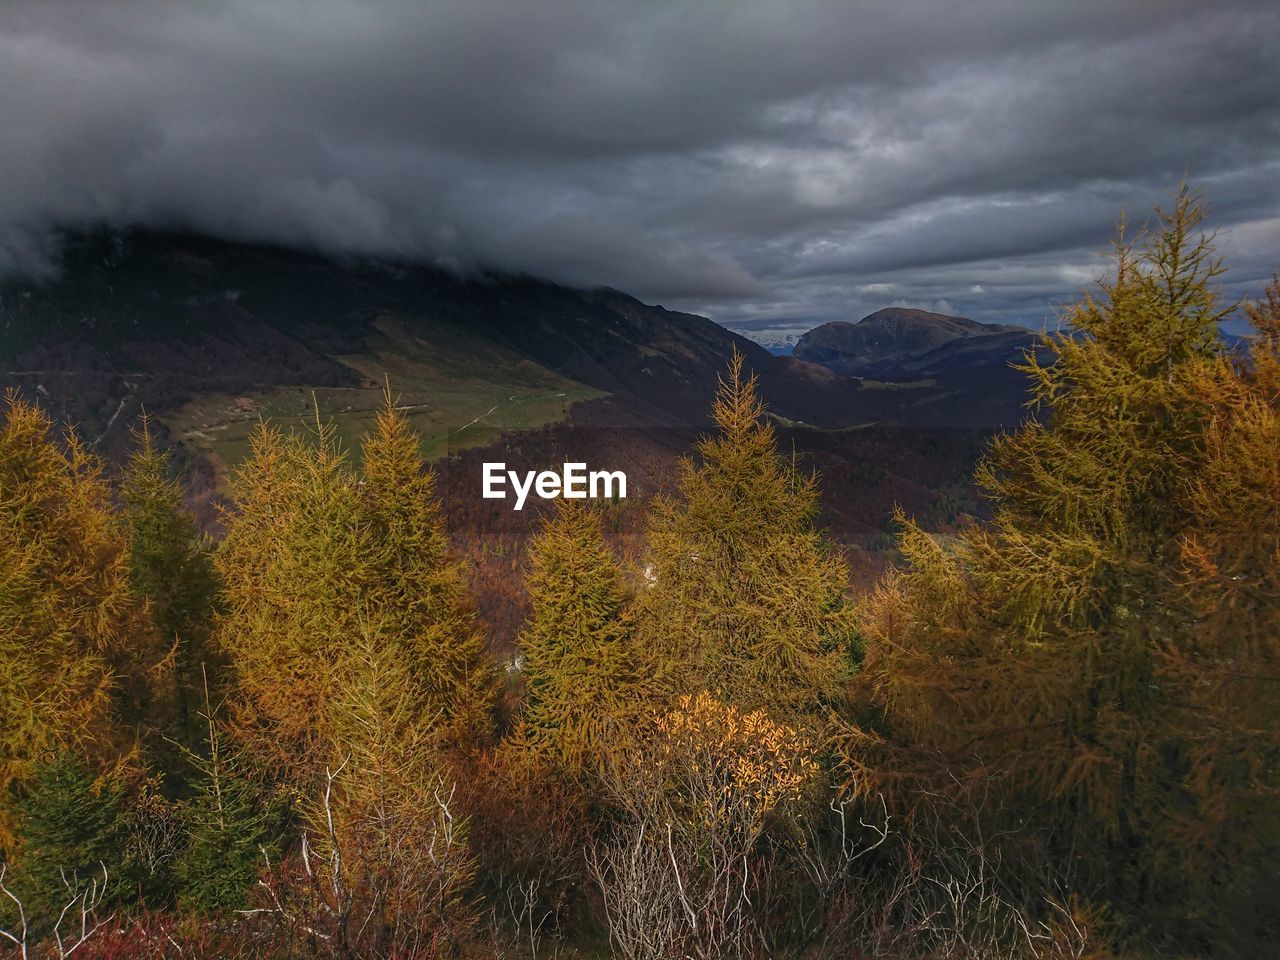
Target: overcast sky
770	163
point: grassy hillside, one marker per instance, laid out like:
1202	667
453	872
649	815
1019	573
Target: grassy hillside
457	394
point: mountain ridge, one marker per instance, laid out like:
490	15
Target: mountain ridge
192	329
883	341
143	318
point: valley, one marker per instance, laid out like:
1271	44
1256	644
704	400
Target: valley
209	338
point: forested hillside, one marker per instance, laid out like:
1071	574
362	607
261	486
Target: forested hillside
1053	732
208	337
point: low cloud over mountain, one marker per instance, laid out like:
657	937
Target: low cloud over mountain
771	163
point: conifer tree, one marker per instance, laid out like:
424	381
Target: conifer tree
172	570
71	827
1037	655
292	565
418	593
586	680
1225	682
389	807
228	826
747	597
79	662
316	556
383	737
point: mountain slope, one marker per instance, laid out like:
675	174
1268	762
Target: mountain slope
209	335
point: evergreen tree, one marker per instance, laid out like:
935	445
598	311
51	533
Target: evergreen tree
747	597
587	682
228	826
170	568
79	661
71	827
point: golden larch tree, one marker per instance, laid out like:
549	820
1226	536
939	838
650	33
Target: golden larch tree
1040	661
586	680
81	668
747	597
317	556
418	591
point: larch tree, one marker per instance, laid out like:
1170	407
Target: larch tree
1225	680
1029	662
390	806
747	597
316	556
587	681
293	566
80	665
418	593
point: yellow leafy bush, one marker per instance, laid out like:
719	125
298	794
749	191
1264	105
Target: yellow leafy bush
712	771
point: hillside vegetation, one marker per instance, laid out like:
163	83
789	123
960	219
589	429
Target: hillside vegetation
1054	733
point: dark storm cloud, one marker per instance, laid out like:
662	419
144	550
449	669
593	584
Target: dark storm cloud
774	163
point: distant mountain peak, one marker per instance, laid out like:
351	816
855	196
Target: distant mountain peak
882	342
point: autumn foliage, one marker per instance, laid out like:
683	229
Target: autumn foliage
1053	734
746	595
1099	659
